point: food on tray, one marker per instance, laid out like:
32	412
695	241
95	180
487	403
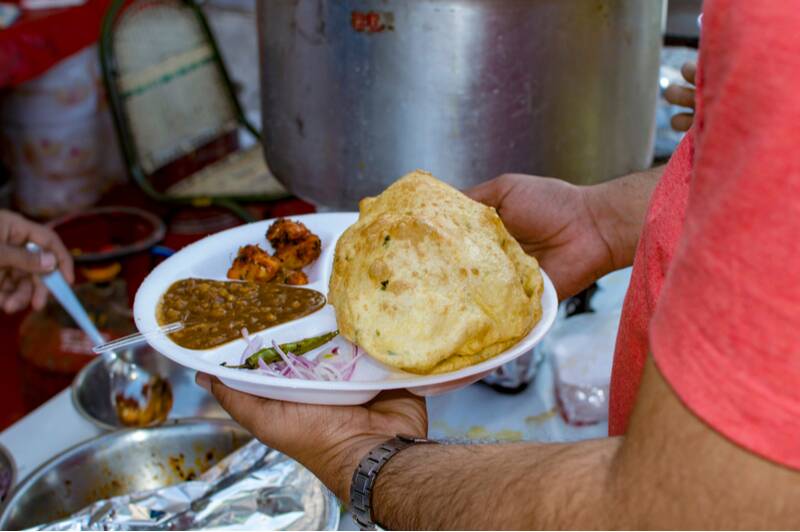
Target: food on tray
294	244
429	281
295	278
254	264
215	312
295	248
287	360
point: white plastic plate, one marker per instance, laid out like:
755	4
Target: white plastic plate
211	257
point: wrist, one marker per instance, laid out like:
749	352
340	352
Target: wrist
601	218
342	461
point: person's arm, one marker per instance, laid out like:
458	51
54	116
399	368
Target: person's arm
671	471
618	208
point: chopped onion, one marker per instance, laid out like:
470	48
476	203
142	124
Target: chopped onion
330	366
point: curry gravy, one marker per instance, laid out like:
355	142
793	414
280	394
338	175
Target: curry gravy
215	312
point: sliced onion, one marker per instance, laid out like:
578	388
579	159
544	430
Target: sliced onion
253	345
332	366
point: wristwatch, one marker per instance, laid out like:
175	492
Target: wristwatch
366	473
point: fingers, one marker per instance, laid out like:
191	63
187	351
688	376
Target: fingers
7	286
20	297
40	292
22	259
487	193
50	243
682	121
494	191
678	95
18	289
16	231
689	70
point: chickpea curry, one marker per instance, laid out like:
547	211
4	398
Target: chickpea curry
215	312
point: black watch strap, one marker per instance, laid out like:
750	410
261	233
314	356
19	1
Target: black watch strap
366	473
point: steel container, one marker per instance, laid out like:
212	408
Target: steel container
118	463
91	394
355	93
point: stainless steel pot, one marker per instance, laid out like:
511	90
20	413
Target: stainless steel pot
356	93
117	463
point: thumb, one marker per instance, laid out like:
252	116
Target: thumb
489	193
22	259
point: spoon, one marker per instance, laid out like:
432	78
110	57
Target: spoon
139	397
138	338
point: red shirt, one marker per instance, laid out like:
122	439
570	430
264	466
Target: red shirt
716	277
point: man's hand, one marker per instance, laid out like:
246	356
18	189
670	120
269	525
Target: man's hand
552	221
578	234
683	96
19	282
329	440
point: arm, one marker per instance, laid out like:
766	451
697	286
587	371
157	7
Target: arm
670	471
618	209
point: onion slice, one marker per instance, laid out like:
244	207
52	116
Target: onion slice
330	365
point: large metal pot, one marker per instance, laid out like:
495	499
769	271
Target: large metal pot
356	93
117	463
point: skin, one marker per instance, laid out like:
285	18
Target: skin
596	484
683	96
19	269
580	233
592	484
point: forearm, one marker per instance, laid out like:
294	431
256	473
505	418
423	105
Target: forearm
618	208
510	486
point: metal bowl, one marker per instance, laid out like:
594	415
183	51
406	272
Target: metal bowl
92	399
118	463
8	473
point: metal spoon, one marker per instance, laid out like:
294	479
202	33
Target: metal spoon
138	396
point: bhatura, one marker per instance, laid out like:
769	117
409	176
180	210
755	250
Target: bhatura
429	281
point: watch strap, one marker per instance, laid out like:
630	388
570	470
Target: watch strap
367	472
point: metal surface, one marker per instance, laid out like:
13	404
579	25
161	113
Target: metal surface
355	93
253	488
91	397
117	463
8	473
